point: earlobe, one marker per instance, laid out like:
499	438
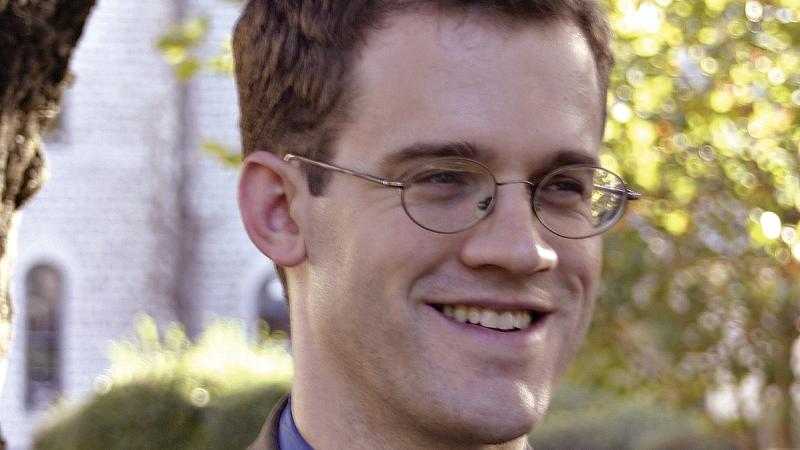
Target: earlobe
267	185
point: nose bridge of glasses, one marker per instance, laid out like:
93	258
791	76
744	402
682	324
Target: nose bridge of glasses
535	218
531	186
529	183
518	233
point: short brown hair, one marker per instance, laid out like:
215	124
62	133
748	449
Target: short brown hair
293	60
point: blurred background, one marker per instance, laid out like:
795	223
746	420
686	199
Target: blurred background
143	311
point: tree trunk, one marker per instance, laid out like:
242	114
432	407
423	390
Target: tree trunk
36	42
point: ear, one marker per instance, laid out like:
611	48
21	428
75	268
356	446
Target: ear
267	185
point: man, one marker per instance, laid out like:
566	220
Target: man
422	172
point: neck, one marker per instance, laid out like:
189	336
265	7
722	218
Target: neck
332	413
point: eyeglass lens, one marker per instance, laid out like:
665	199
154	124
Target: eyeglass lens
579	201
451	195
448	195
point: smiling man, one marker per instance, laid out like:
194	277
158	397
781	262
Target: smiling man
424	174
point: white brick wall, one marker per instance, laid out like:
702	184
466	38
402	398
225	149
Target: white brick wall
97	216
221	289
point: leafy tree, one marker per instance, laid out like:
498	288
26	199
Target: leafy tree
36	42
701	299
701	291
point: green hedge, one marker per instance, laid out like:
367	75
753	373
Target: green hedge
157	416
164	392
583	419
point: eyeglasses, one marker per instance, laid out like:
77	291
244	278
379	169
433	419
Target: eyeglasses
452	194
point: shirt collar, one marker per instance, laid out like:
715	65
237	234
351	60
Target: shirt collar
289	437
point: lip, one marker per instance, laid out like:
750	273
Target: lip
540	308
494	339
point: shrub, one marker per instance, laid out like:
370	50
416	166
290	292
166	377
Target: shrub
582	419
164	392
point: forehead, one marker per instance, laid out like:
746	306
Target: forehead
519	88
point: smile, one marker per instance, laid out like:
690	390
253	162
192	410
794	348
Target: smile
490	318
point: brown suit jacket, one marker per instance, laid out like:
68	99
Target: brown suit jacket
268	437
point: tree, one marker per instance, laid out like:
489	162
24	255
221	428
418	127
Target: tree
701	298
36	42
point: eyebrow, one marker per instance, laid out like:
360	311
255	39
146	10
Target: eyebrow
567	157
563	157
421	150
463	149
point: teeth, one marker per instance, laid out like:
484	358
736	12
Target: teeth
500	320
460	313
488	318
505	321
522	321
448	311
474	315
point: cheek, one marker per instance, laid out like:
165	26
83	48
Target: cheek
373	251
594	266
581	260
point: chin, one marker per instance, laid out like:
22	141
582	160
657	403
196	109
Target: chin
493	432
498	420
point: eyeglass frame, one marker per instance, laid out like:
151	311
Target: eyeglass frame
629	195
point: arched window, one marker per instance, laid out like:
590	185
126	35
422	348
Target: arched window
273	312
43	299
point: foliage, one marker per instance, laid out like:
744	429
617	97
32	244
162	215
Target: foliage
700	304
178	43
701	294
181	47
222	153
165	392
580	418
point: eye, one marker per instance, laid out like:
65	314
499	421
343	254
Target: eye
565	185
565	191
443	177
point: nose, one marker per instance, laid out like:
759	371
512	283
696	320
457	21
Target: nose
510	238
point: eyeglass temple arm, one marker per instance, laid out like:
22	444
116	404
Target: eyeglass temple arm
374	179
631	195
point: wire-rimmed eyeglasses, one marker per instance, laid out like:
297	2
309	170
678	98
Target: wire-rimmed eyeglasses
452	194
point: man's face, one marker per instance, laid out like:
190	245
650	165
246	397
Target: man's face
525	96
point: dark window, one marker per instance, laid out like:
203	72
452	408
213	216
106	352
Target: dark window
43	298
273	313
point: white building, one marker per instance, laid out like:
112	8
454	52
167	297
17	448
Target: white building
135	218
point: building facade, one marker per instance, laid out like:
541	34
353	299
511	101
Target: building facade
135	217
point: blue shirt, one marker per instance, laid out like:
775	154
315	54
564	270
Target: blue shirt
289	437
